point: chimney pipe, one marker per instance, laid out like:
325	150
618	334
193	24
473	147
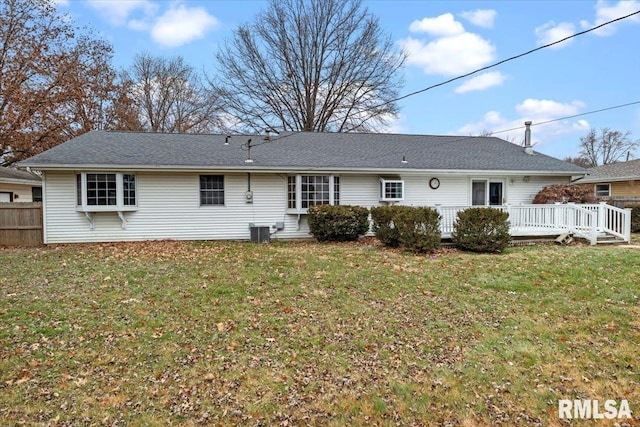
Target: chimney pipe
527	138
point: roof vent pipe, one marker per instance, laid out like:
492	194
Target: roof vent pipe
527	138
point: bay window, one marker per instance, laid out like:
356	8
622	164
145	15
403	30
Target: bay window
304	191
105	191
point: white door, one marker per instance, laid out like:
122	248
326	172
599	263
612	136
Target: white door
5	197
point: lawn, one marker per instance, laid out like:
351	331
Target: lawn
220	333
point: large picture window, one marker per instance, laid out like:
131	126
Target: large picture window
304	191
105	191
211	190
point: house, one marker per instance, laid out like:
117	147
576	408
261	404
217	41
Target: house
616	181
19	186
124	186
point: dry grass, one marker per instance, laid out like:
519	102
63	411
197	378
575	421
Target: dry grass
194	333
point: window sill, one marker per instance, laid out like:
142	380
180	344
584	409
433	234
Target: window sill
109	208
297	212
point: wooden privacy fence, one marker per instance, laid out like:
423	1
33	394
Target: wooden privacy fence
21	224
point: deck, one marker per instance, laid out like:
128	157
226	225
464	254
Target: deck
597	223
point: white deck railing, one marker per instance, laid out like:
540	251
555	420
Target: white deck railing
585	221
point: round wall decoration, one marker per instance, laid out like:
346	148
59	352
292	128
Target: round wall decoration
434	183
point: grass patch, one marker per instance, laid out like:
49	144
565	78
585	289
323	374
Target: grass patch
193	333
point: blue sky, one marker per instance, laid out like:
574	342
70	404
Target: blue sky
444	39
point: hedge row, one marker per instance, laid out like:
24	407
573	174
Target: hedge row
416	229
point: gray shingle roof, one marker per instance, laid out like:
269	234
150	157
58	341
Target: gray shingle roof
624	171
8	174
296	151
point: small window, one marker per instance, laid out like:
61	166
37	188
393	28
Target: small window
391	190
603	190
36	194
291	192
129	189
211	190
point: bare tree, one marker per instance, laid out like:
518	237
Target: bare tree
607	147
168	96
55	79
580	161
311	65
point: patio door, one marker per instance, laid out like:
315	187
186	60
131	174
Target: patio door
487	192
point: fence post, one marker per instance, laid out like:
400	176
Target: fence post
602	216
627	225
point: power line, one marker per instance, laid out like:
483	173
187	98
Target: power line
492	66
569	117
506	60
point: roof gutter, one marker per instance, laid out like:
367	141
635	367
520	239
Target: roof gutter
285	169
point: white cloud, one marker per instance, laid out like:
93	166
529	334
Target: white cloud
443	25
552	32
581	125
482	17
606	12
61	2
181	25
536	110
452	50
491	121
117	12
450	55
545	109
482	82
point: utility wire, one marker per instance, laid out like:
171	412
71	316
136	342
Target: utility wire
569	117
492	66
506	60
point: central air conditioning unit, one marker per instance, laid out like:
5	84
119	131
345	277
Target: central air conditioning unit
260	234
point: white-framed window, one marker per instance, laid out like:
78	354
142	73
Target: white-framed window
107	191
304	191
603	190
391	189
211	190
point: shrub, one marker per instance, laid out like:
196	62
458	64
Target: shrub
481	230
635	218
576	193
338	223
383	225
418	228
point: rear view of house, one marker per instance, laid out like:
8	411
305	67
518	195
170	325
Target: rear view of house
125	186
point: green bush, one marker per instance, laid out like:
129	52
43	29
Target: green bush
418	228
338	223
383	225
481	230
635	218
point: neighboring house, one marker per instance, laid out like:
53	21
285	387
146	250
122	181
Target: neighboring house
122	186
19	186
615	181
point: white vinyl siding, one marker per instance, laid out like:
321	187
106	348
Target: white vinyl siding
168	204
